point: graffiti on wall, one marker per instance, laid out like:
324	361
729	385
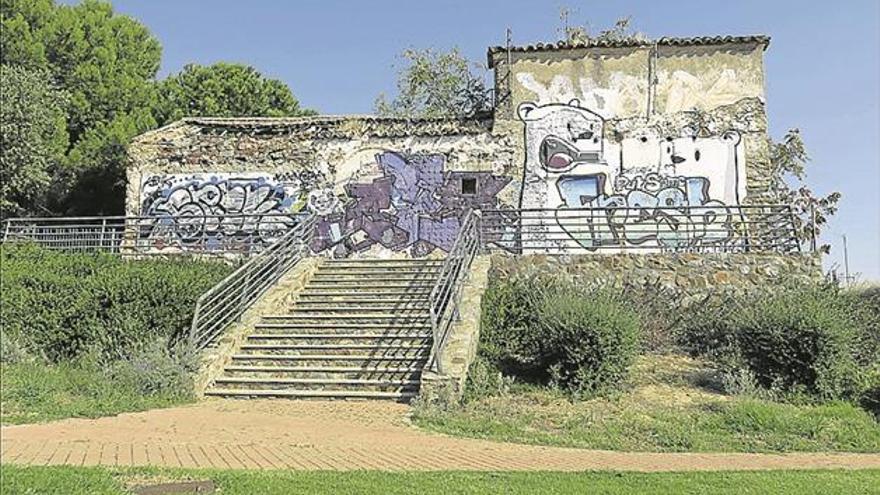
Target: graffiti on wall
412	204
667	191
625	94
219	209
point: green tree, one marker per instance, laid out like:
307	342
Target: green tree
436	84
107	63
24	28
224	90
33	137
789	159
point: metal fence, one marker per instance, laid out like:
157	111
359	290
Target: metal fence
226	301
695	229
446	293
147	235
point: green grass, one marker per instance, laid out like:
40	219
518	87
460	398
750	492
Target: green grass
35	392
106	481
664	410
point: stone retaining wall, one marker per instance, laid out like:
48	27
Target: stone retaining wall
692	274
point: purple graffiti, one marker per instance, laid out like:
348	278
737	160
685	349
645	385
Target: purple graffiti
415	205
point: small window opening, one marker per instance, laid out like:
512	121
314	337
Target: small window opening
469	186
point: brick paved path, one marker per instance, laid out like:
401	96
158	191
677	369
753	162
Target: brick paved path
311	435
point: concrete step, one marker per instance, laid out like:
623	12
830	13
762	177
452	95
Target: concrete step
313	394
403	262
315	381
342	313
370	284
353	292
330	347
378	270
361	358
329	336
345	370
381	275
345	326
362	306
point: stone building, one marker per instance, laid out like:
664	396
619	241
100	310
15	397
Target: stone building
673	124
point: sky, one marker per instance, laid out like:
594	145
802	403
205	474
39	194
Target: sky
822	67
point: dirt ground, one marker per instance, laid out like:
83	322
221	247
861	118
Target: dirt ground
323	435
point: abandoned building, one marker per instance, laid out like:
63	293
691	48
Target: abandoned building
637	161
666	124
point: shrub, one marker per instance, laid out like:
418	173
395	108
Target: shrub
154	369
590	340
548	330
62	306
794	340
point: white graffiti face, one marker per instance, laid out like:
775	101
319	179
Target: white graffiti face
561	137
669	190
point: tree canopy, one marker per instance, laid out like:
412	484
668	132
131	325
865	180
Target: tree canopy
33	137
224	90
434	84
105	65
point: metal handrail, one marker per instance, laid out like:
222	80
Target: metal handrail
153	235
232	296
699	229
446	293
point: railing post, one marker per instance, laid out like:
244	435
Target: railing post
6	231
103	233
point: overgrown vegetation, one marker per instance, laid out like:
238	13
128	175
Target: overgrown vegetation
670	403
116	481
792	368
546	330
93	334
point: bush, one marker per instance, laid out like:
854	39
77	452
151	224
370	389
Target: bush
61	306
794	340
548	330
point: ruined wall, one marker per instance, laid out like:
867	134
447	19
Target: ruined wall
378	186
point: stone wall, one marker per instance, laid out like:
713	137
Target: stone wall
693	275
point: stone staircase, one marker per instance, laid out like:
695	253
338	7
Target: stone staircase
360	329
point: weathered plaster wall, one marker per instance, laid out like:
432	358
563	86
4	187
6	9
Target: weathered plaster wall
634	81
694	275
657	127
376	189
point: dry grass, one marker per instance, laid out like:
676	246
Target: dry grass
671	403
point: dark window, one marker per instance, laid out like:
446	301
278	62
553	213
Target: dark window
468	186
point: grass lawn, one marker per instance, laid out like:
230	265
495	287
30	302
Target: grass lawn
35	392
670	406
105	481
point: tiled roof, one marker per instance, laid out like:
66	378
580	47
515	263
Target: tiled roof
633	42
329	126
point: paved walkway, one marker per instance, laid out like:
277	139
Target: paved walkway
311	435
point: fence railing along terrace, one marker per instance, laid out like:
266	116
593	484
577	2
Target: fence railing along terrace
700	229
146	235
